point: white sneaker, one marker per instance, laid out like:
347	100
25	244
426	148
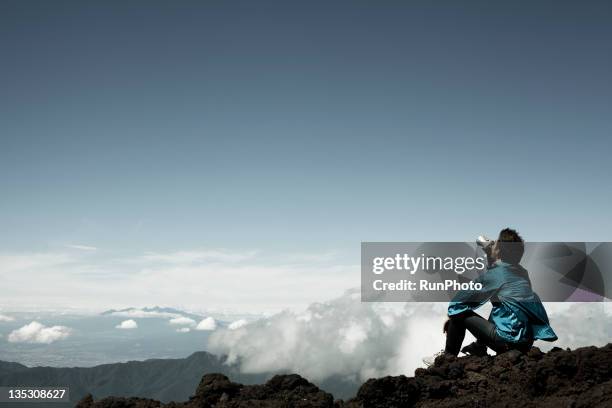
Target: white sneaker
430	360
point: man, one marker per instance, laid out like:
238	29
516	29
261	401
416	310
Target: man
518	316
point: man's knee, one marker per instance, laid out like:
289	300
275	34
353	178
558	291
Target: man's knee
455	322
463	315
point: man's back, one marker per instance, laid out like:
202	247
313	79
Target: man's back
517	311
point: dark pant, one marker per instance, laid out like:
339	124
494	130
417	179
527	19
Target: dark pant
483	330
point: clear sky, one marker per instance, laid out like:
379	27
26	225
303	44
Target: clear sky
306	127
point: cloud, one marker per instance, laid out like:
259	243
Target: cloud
183	321
5	318
342	337
12	263
207	324
345	337
352	336
237	324
36	332
579	324
82	247
127	325
144	314
183	330
235	280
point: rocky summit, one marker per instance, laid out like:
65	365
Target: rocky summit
560	378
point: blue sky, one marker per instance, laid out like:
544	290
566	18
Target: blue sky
300	127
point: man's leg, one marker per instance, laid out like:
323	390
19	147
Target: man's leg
455	333
482	329
477	348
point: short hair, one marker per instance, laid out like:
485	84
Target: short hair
509	246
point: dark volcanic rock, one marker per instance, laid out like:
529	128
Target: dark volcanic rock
216	390
213	388
118	402
558	379
561	378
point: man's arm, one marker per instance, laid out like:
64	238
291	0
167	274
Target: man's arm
472	299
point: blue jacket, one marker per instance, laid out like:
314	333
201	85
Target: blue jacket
518	313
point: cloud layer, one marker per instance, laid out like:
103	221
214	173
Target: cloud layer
79	277
342	337
36	332
345	337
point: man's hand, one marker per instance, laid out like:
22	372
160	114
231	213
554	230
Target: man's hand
445	327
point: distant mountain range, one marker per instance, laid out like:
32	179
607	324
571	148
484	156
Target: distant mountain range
155	311
160	379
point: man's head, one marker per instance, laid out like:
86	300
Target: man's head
509	246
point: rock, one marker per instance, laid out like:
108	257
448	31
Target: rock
560	378
579	378
118	402
387	392
535	353
512	356
213	388
473	363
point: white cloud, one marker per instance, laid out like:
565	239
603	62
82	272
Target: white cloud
237	324
183	330
342	337
127	325
36	332
207	324
353	335
346	337
183	321
5	318
82	247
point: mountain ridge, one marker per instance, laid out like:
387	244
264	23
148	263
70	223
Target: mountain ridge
164	380
163	312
